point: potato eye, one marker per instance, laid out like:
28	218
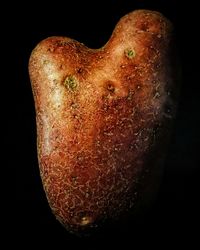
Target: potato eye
70	83
110	88
130	53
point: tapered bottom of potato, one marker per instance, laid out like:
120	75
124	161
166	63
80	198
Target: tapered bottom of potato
131	218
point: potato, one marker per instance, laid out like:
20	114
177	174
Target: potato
103	119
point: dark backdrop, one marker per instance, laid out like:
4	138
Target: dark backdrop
174	218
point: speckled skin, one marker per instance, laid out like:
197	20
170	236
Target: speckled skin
103	118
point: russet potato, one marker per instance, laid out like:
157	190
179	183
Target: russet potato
103	119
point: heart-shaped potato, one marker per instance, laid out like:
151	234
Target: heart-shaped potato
103	118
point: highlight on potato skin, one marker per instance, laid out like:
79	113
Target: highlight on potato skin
104	118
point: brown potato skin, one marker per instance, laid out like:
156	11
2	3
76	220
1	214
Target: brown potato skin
104	118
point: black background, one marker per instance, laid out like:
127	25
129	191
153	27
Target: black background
174	219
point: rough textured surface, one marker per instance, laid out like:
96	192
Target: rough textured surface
103	118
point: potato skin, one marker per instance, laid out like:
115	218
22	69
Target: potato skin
103	118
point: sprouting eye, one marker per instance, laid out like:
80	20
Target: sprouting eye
70	83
